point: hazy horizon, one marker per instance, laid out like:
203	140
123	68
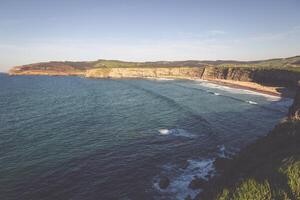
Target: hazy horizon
35	31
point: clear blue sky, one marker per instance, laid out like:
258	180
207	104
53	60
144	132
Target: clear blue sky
140	30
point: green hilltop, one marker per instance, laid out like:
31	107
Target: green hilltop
291	63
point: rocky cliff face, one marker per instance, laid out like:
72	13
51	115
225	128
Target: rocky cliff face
271	77
156	72
274	77
294	111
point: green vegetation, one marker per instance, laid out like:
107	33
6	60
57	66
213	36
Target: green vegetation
252	190
122	64
224	195
113	64
292	63
279	63
292	171
272	171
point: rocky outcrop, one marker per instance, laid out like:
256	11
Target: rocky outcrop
164	182
294	111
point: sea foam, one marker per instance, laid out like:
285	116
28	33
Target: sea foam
252	102
238	90
176	132
180	179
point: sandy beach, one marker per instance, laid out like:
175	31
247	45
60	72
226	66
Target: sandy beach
270	90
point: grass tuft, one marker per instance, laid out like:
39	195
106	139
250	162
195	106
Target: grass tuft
252	190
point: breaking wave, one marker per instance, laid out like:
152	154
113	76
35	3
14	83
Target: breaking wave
181	178
176	132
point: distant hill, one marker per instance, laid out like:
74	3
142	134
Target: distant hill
291	63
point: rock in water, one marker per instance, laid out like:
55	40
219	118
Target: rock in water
164	182
183	164
197	183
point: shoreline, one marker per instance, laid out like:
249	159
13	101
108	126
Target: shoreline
282	92
250	86
255	87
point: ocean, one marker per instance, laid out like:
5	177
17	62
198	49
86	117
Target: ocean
76	138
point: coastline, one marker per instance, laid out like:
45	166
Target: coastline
244	85
255	87
282	92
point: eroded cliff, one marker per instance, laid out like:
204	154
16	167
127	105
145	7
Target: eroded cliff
149	72
279	77
271	81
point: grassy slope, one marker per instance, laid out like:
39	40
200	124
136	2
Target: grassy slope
268	169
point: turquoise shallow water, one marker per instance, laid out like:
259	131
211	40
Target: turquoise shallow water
76	138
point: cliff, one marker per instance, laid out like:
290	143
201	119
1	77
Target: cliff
279	77
294	112
149	72
271	81
275	72
271	76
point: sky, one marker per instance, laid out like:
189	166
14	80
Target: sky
147	30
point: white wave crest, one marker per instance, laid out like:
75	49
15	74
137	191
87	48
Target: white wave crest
252	102
180	179
222	151
237	90
176	132
164	131
160	79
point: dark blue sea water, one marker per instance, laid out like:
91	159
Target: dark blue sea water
76	138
